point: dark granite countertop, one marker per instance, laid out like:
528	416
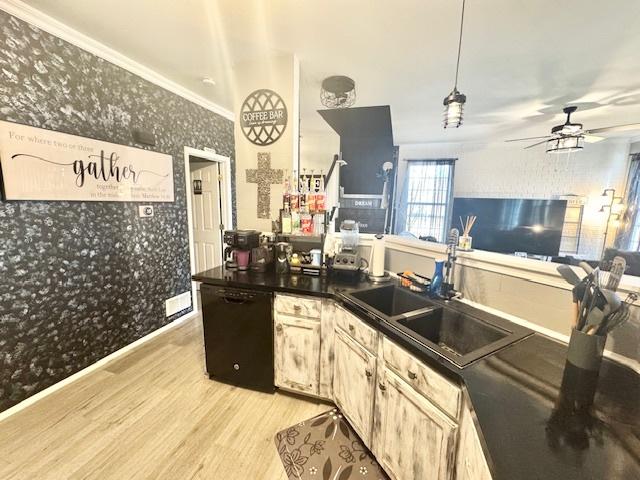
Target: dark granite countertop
524	396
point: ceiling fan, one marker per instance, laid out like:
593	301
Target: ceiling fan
569	136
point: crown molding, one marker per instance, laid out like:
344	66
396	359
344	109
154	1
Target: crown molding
49	24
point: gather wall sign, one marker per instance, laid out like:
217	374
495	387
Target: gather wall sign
39	164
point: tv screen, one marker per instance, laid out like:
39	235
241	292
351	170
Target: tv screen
507	225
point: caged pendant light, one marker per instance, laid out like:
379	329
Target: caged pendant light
454	102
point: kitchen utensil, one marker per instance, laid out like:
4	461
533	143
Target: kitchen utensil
568	274
618	266
615	320
607	303
586	267
585	302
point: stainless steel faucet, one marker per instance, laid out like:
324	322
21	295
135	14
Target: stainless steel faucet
448	290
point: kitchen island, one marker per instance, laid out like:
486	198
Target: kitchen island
526	428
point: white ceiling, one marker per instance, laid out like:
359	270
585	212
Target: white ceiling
522	61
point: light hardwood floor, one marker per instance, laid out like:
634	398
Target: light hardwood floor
152	414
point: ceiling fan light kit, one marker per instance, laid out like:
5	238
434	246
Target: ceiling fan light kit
454	102
565	144
570	137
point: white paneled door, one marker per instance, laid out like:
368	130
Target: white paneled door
205	196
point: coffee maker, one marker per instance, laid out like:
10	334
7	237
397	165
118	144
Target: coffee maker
283	253
238	253
262	256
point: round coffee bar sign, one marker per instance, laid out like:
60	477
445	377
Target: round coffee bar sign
263	117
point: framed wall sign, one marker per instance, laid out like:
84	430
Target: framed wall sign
40	164
263	117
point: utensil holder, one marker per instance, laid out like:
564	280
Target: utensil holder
464	242
585	351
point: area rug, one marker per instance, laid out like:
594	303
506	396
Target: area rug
326	447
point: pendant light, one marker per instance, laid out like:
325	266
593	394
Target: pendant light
454	102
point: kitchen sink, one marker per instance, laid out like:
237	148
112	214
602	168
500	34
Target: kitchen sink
458	332
392	302
458	336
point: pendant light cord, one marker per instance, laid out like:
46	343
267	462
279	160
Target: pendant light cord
459	45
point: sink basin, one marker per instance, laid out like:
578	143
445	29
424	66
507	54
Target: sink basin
458	332
458	336
392	302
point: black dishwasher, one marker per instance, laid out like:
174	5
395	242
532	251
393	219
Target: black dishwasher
238	336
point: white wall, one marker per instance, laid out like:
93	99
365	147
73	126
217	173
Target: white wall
280	74
509	171
317	151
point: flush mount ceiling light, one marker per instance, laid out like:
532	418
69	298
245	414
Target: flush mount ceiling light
338	91
565	144
454	102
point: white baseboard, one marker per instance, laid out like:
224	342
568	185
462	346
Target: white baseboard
100	363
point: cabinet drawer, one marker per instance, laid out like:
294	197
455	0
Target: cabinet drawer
298	306
357	329
442	392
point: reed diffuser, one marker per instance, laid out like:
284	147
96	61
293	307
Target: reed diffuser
464	243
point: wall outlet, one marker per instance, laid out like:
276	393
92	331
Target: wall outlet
145	211
178	303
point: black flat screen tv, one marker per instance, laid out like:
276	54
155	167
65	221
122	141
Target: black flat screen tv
509	225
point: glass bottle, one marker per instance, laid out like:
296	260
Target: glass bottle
303	193
285	221
286	192
294	198
320	195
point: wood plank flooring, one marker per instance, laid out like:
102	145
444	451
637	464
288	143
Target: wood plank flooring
152	414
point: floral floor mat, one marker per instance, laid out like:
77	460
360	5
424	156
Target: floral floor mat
325	447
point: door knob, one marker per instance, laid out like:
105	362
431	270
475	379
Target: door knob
368	373
382	387
279	328
412	375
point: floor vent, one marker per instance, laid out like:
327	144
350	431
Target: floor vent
178	303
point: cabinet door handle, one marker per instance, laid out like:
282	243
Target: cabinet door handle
412	375
368	373
297	308
382	387
351	328
279	327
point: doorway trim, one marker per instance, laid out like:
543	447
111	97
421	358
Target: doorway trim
226	214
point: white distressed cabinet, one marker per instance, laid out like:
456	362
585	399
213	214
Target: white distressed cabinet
413	419
354	383
471	463
416	439
297	354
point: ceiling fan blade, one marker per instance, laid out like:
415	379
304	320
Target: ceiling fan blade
615	128
528	138
592	138
536	144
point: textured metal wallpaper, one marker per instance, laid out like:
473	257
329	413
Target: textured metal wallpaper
79	280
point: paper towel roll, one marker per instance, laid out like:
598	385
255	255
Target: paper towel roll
376	262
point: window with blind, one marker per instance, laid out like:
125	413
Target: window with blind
427	198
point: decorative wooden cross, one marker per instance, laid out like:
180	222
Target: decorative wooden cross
264	176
